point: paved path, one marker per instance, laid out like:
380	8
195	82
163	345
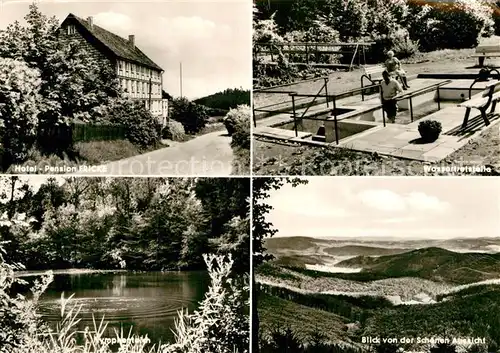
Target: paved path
207	155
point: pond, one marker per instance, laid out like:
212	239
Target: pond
148	302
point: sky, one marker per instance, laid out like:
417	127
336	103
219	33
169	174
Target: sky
212	38
388	208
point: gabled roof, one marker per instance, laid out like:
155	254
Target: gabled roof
119	46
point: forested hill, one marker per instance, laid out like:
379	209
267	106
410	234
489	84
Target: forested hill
129	223
227	99
432	263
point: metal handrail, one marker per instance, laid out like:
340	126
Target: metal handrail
331	44
295	94
421	91
478	79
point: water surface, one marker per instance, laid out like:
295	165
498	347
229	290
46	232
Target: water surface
148	302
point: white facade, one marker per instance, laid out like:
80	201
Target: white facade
142	83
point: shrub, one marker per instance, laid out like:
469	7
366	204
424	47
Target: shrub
349	17
237	123
19	109
141	128
18	317
386	27
496	17
455	25
320	33
221	323
429	130
241	134
191	115
266	31
174	131
398	41
240	115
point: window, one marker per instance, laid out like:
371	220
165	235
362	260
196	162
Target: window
71	29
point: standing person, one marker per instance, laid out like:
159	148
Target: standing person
393	65
390	89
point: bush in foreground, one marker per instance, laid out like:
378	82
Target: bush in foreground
191	115
141	128
237	119
174	131
237	123
221	323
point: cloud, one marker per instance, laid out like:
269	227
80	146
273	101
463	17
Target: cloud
383	200
390	201
114	21
193	27
396	220
305	204
424	202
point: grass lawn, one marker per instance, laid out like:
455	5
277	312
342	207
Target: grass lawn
241	162
271	157
279	158
88	153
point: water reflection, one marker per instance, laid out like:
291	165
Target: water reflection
148	302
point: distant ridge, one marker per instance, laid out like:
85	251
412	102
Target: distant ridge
432	263
298	243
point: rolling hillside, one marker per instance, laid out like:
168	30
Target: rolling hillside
432	263
356	250
225	100
474	312
424	292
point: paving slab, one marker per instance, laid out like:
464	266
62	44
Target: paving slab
399	140
438	153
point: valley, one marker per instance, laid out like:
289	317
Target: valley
410	288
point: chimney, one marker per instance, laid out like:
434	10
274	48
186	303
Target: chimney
131	40
90	21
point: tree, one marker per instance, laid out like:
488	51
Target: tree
192	116
261	229
19	109
74	85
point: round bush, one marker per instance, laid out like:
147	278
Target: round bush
454	25
141	128
191	115
235	117
429	130
174	131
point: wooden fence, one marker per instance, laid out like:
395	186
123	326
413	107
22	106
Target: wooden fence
81	133
331	55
